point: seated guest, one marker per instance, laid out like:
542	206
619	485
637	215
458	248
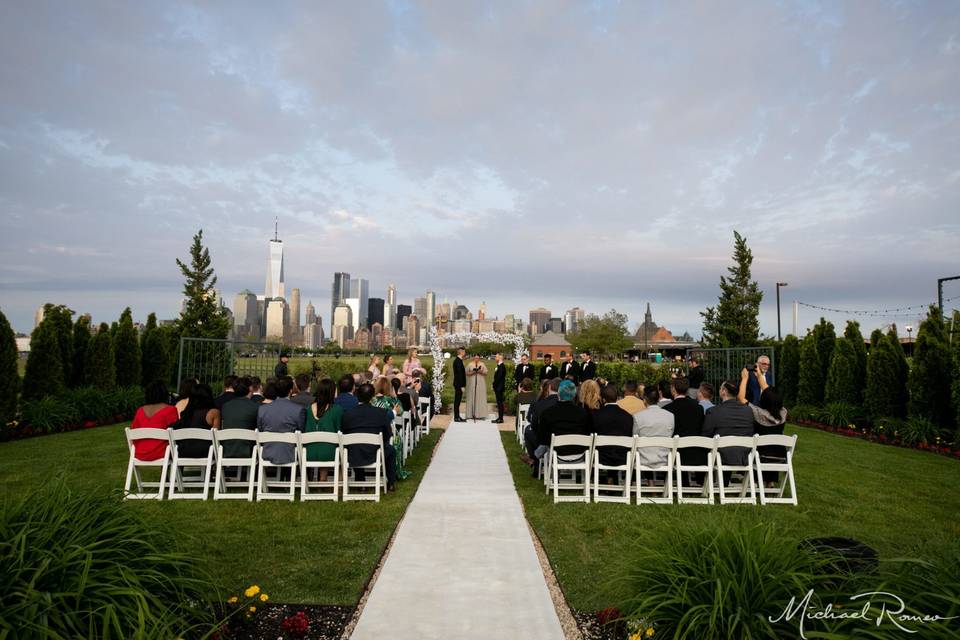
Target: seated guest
303	396
345	398
386	397
426	390
183	393
228	392
705	396
535	437
154	414
283	415
200	413
256	389
323	415
527	395
768	419
631	402
590	395
653	421
367	376
666	395
687	421
403	396
729	418
611	420
566	417
269	391
358	379
366	418
239	413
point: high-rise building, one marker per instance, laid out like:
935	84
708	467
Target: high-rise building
443	311
539	318
375	311
246	319
555	325
274	285
482	311
572	319
339	292
311	317
376	335
39	313
294	319
354	304
460	312
403	310
390	307
420	307
342	324
412	329
278	317
312	335
360	289
431	316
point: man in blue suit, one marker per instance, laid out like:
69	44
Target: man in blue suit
281	416
366	418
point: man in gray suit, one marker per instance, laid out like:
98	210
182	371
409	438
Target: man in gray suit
282	416
729	418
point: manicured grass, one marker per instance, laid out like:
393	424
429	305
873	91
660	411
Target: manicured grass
315	552
899	501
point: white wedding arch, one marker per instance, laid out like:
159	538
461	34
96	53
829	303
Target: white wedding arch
464	337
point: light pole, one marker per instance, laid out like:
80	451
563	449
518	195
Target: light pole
909	329
779	284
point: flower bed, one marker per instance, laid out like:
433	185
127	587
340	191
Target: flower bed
883	435
82	408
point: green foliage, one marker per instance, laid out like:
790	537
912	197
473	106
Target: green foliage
87	565
882	390
126	351
734	322
955	348
62	319
841	414
81	339
932	371
602	336
843	375
875	337
48	414
44	373
9	377
810	388
721	582
99	366
901	372
620	372
788	377
806	412
154	356
917	429
852	335
826	337
202	315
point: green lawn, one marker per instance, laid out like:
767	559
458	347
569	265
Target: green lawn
316	552
901	502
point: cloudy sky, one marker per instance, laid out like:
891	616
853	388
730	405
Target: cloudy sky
597	154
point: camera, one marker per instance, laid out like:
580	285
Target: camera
751	368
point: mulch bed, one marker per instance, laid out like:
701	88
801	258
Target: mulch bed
323	622
591	628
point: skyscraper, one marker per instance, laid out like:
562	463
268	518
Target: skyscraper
355	319
572	319
375	312
403	310
390	307
340	291
278	315
482	311
412	328
431	316
539	318
274	287
342	324
360	289
311	314
38	316
420	307
294	319
246	319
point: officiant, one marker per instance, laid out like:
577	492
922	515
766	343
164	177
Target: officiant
477	407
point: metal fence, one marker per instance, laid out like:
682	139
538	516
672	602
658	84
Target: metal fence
211	360
726	364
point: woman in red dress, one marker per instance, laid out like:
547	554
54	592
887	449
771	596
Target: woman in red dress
154	414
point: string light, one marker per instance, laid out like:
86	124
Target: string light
462	337
877	313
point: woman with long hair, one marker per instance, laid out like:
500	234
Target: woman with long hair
410	365
200	413
154	414
590	395
374	367
389	371
323	415
183	393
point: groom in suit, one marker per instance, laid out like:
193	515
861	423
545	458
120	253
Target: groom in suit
500	386
459	383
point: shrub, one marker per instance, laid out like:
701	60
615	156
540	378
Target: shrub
99	367
810	387
788	377
932	371
154	357
843	383
805	412
882	392
841	414
48	414
44	374
126	351
81	338
86	565
90	403
917	430
852	335
9	378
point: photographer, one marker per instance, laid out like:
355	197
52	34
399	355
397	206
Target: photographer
769	415
753	385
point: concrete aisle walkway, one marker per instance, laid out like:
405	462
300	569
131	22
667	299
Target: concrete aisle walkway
463	564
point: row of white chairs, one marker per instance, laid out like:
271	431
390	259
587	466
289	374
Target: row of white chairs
577	478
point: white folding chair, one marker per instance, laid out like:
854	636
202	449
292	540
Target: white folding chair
425	417
660	491
620	491
179	482
133	466
408	431
688	494
266	484
746	482
522	411
573	465
377	468
333	466
222	486
774	495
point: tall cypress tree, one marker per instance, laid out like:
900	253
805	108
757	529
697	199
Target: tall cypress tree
44	374
154	357
734	322
788	381
99	366
826	338
932	371
881	393
875	337
9	377
202	316
842	381
126	351
901	372
954	332
852	335
810	389
81	338
62	319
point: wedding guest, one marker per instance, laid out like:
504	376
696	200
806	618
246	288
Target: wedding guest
388	369
588	370
228	393
666	395
527	395
729	418
570	369
687	421
769	417
611	420
303	397
566	417
256	389
426	390
631	402
653	421
374	367
411	364
183	393
705	396
345	398
694	377
549	370
535	437
200	413
522	370
154	414
239	413
753	385
366	418
269	391
281	369
386	396
281	416
590	395
323	415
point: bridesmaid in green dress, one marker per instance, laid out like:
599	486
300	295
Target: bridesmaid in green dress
323	415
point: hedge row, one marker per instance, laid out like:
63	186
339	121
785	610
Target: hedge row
73	409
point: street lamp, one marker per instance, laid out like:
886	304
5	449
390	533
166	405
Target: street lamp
909	329
779	284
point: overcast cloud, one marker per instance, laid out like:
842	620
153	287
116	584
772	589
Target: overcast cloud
520	153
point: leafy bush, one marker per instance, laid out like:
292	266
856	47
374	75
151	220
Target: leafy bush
805	412
126	400
841	414
86	565
918	430
90	403
48	414
721	582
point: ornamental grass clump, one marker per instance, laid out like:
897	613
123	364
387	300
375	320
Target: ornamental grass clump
87	565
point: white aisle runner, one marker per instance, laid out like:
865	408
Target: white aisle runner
463	564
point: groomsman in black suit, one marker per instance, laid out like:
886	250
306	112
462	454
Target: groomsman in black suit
588	370
549	370
570	368
523	370
499	386
459	383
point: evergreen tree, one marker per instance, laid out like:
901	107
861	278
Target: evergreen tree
881	393
842	382
875	337
932	371
852	335
44	374
62	319
954	331
81	338
154	357
734	321
810	388
202	316
9	377
788	380
826	338
901	371
99	367
126	351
